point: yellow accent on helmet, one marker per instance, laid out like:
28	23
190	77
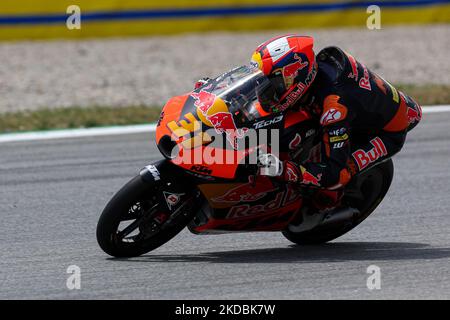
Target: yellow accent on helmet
257	60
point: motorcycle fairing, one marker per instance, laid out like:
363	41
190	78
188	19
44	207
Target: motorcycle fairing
235	205
272	212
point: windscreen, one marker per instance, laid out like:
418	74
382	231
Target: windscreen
238	89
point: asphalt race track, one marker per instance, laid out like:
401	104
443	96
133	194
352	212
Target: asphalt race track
52	192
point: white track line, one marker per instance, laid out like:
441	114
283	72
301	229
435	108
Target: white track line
119	130
436	109
76	133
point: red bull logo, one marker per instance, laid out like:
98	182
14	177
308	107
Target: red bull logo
282	199
223	122
363	158
310	179
298	90
414	115
291	70
247	192
204	100
364	82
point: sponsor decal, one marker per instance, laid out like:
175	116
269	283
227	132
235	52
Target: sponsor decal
291	71
282	199
295	142
291	174
172	199
309	133
330	116
204	100
256	61
333	111
338	145
201	169
265	123
222	121
309	179
364	82
154	171
337	132
200	176
298	91
363	158
339	138
246	192
414	115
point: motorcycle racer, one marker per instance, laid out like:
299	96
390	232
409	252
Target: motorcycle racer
364	119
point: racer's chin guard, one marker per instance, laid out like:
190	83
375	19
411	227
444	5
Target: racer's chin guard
267	96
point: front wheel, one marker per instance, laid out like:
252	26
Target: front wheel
137	219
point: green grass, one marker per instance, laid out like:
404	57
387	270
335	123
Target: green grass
427	94
64	118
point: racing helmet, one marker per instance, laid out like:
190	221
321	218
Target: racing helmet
290	65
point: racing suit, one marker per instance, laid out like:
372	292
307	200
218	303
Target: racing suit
363	117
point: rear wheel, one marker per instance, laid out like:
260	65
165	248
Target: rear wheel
137	220
364	193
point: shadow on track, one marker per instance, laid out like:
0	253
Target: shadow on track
326	253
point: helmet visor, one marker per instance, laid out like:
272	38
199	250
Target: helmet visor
269	92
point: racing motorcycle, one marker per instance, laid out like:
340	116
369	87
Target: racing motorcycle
187	189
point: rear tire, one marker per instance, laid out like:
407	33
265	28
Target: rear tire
373	186
136	194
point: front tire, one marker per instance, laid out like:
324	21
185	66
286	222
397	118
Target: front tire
153	223
364	193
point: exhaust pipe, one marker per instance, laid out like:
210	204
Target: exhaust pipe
341	215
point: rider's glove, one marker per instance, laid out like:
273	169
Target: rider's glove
271	166
200	83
